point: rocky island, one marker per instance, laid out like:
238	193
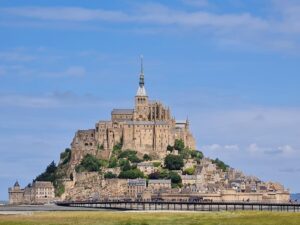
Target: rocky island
142	153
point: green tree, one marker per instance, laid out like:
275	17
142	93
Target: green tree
189	171
146	157
124	164
196	154
154	175
89	163
110	175
65	156
179	145
174	162
117	148
113	162
156	164
131	174
185	153
131	155
175	179
220	164
170	148
49	174
163	174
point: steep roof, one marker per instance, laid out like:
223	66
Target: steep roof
43	184
17	184
159	181
146	123
122	111
141	91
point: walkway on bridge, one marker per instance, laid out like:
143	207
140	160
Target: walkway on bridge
184	206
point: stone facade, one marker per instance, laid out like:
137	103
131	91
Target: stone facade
38	193
92	186
136	187
16	194
158	185
148	128
146	167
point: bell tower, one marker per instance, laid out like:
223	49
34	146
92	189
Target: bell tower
141	98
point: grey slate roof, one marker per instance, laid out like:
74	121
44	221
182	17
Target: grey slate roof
146	123
43	184
136	182
122	111
159	182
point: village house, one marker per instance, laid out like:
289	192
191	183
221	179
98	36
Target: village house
146	167
40	192
136	187
156	185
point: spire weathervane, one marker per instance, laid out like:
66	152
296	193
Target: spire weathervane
141	90
142	79
142	66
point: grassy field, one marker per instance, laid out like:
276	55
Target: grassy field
172	218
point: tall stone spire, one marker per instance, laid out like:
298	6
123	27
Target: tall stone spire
142	77
141	90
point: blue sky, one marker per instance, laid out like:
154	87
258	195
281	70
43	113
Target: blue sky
231	66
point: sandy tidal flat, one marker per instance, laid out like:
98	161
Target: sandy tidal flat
144	218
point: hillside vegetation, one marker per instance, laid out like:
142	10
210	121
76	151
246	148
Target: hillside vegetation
127	160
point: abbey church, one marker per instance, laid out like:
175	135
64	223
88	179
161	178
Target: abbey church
148	129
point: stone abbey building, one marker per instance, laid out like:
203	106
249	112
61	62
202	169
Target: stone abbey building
148	128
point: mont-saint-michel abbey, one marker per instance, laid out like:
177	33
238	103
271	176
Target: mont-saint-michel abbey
148	128
142	153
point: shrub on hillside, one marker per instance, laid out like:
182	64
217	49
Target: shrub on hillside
131	174
174	162
89	163
110	175
220	164
179	144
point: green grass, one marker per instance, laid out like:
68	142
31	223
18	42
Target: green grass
157	218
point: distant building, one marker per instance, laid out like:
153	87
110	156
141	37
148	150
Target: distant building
40	192
148	128
146	167
189	179
16	194
156	185
136	187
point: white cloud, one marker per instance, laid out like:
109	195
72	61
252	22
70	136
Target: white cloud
277	30
288	150
279	151
72	71
220	148
51	100
197	3
27	71
66	13
146	13
16	56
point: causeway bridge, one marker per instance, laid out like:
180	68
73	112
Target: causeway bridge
184	206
